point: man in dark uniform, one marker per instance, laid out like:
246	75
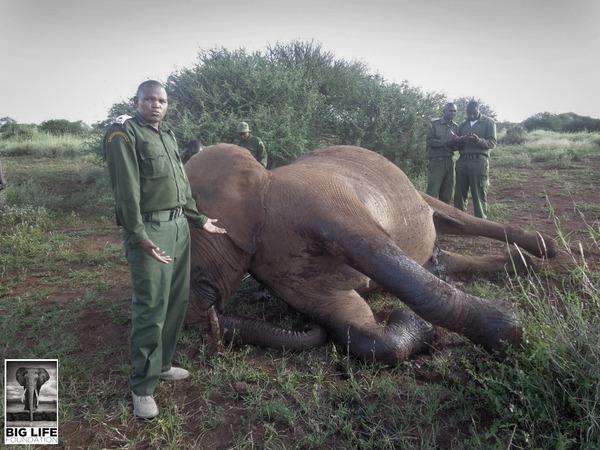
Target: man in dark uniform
252	143
477	137
442	141
153	204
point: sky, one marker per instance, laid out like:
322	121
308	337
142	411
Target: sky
73	59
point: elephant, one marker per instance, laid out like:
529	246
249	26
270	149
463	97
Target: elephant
32	380
328	227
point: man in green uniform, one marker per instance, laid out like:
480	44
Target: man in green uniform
153	203
252	143
442	141
477	137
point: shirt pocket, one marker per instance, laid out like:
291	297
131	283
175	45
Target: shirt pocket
153	161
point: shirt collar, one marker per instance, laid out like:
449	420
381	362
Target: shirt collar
162	127
443	121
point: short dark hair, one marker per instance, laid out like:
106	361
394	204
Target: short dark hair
147	84
473	104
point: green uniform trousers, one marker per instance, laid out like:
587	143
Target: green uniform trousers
160	298
472	174
440	178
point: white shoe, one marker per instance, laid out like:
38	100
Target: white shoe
144	406
175	374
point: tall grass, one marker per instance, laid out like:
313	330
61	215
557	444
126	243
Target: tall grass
547	395
541	145
44	145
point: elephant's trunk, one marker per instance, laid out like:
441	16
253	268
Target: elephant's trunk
30	401
258	332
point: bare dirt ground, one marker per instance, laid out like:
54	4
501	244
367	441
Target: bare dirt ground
521	196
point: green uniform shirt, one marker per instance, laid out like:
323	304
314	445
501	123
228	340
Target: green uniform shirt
484	128
146	174
438	135
256	147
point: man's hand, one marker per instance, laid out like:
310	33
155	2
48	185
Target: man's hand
211	228
152	250
473	138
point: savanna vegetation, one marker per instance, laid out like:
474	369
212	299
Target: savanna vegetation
65	290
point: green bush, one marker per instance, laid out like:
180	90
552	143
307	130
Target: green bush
298	97
515	135
59	127
18	131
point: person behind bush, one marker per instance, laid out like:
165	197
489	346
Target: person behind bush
477	137
252	143
153	204
442	140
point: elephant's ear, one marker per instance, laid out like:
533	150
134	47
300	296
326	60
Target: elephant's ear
21	375
43	376
229	185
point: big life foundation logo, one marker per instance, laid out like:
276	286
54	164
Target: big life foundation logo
31	401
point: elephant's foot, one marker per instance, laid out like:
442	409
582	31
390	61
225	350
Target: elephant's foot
410	333
492	324
405	334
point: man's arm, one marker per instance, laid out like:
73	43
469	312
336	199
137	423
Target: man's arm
262	153
124	172
489	140
432	140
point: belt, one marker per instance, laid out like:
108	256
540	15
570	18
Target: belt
472	155
440	157
162	216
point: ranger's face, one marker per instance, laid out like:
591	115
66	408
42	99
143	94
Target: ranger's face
152	104
473	112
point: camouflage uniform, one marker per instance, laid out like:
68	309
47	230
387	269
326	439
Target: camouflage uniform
440	173
153	200
256	147
472	167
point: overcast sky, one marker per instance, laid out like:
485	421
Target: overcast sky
73	59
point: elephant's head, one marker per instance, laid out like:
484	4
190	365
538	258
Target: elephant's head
32	380
228	184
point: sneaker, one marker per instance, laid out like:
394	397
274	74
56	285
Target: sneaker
175	374
144	406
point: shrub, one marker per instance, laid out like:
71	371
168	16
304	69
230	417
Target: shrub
18	131
59	127
515	135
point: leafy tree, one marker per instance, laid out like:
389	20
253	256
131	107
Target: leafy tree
298	97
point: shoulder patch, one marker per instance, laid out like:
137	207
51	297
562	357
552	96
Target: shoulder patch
121	119
120	134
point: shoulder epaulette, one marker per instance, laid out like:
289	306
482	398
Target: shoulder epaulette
121	119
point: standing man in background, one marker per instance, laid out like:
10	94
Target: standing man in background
252	143
477	137
153	204
442	141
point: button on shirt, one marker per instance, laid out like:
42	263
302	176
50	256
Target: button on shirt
146	174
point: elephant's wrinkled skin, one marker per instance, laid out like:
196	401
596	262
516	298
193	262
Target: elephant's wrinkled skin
322	229
32	381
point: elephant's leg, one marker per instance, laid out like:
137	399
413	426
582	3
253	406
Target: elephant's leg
350	321
449	220
368	249
444	263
